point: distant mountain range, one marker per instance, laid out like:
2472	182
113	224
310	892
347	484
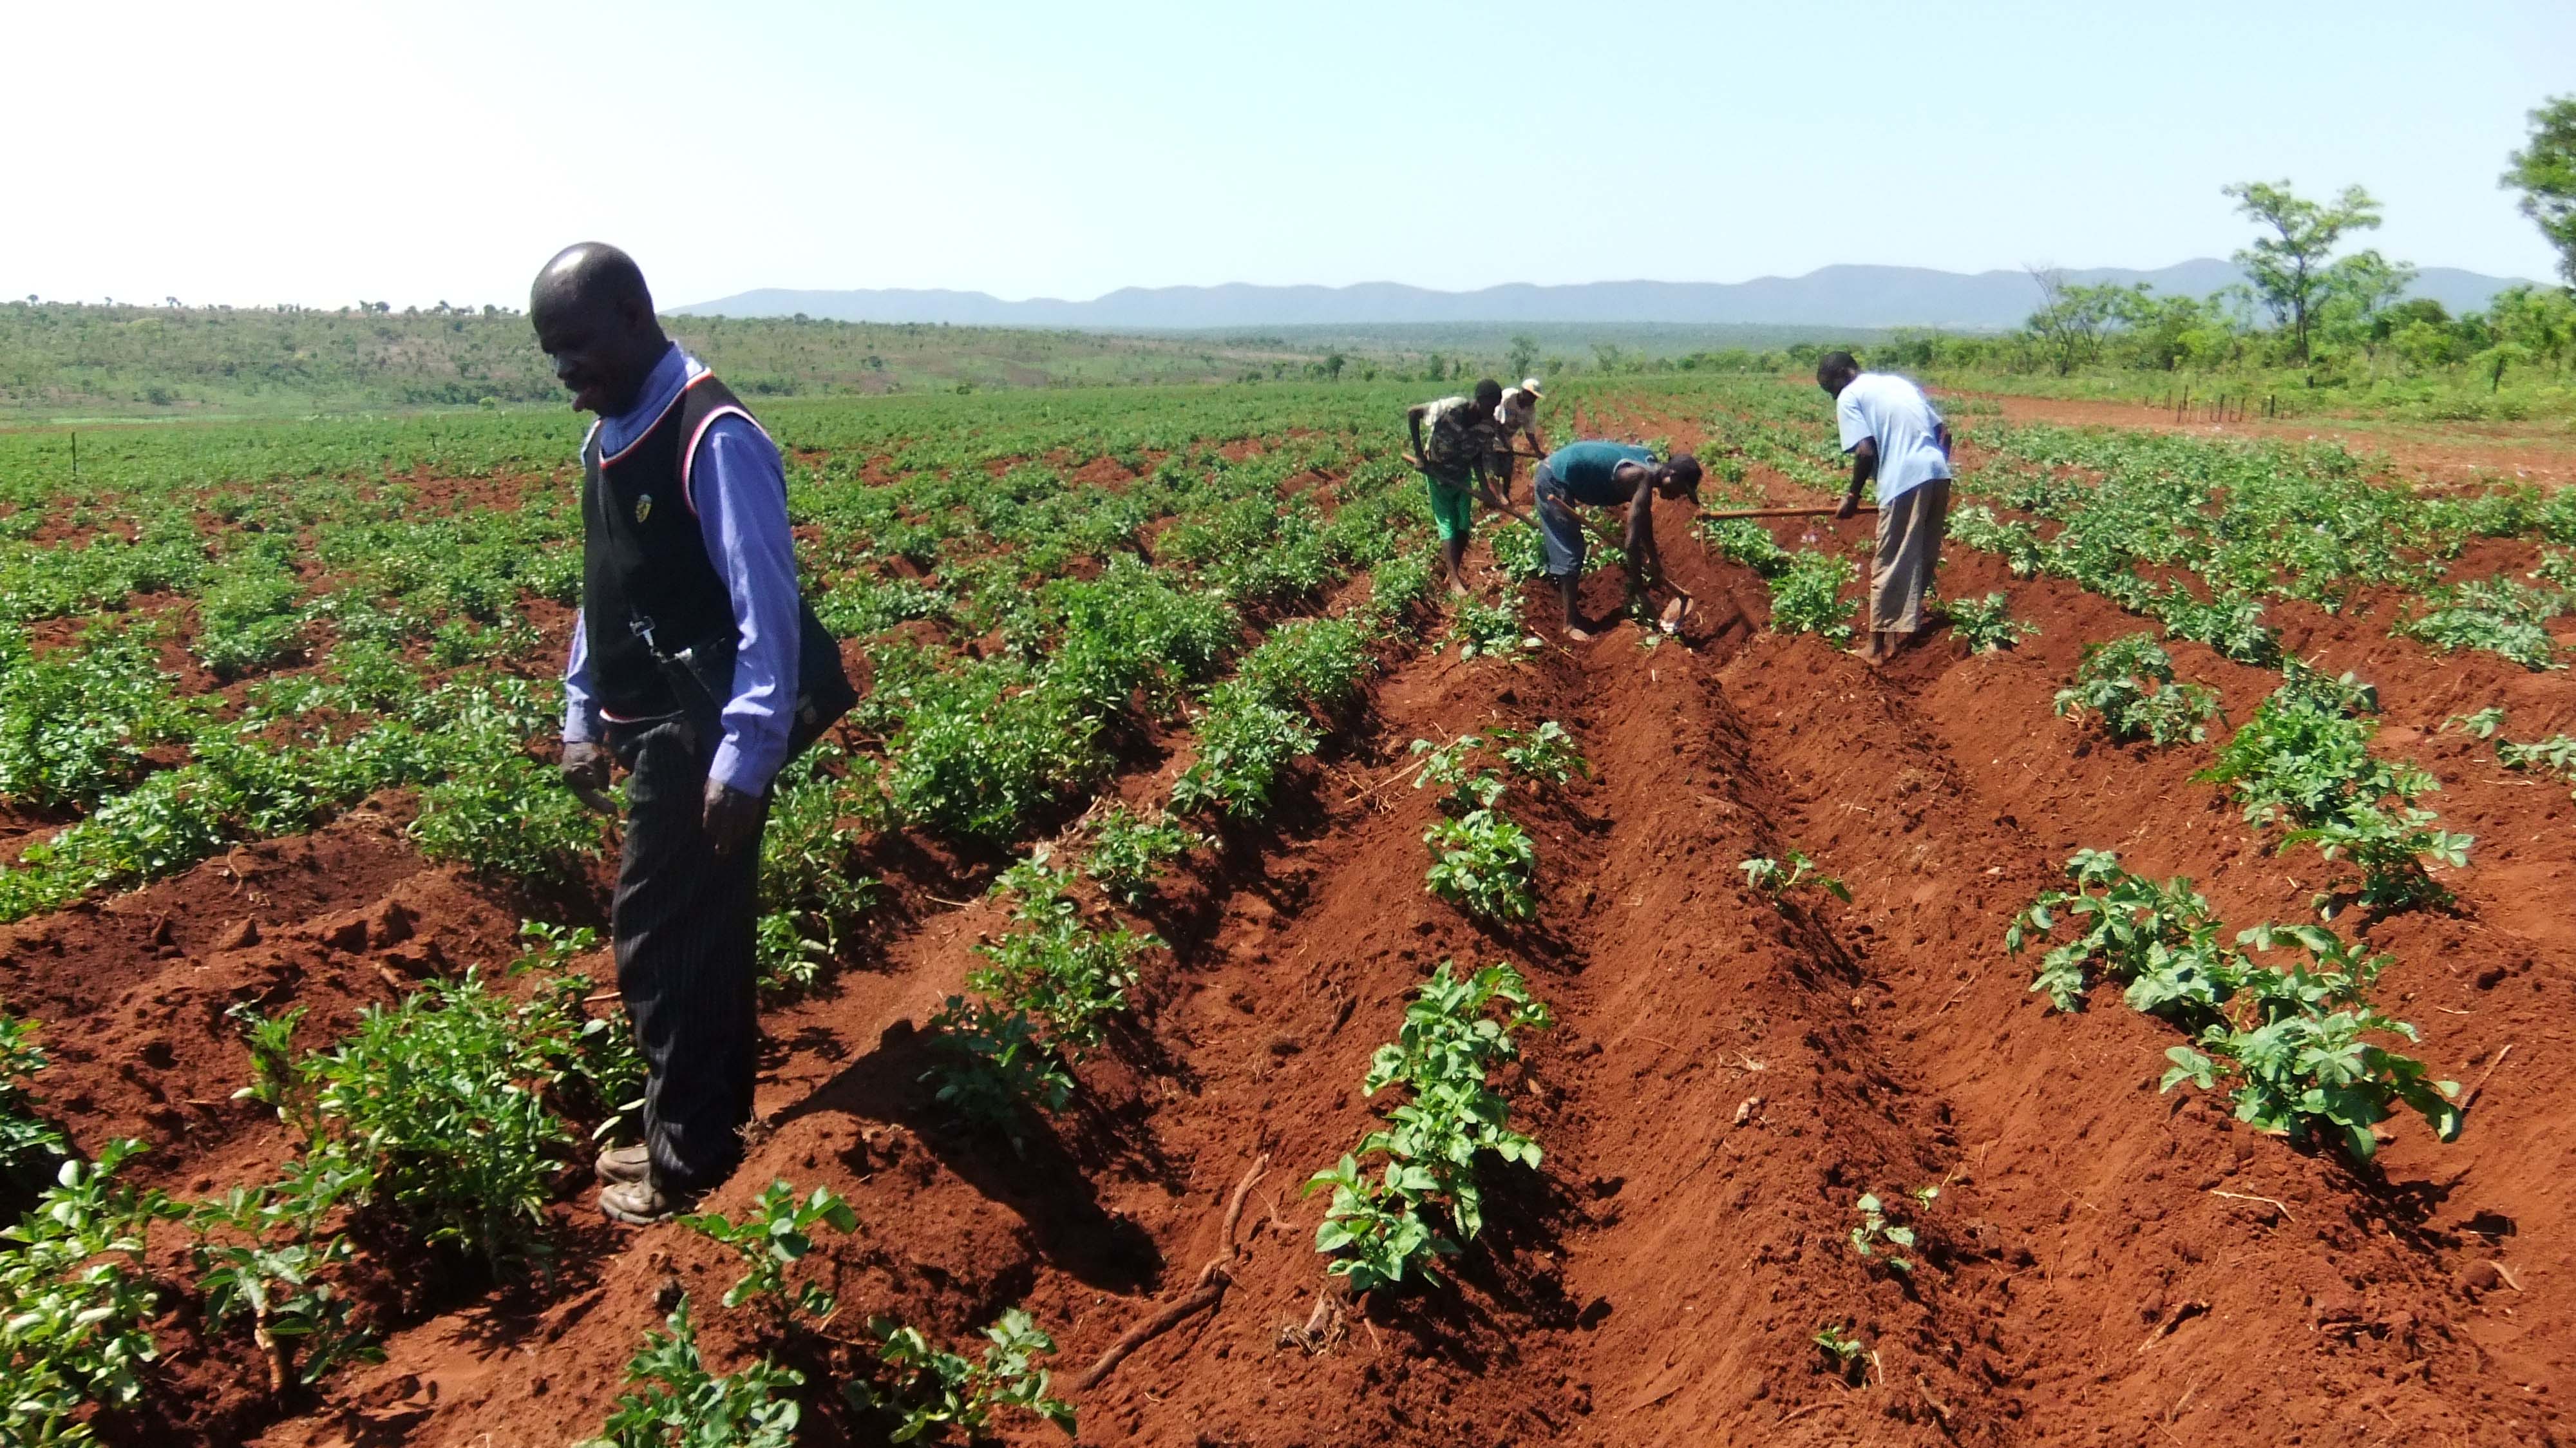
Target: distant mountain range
1834	296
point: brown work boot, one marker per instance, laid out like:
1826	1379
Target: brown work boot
639	1204
623	1164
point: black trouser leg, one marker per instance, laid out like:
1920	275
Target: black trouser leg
682	921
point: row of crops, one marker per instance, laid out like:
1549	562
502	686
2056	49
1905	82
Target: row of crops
235	635
2200	540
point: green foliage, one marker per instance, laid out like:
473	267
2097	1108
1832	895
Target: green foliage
261	1257
1058	969
1490	630
1744	541
1485	864
775	1235
2304	761
1547	753
811	893
1243	744
2288	269
2292	1039
2496	615
1774	878
1806	596
928	1389
25	1138
1128	850
2293	1043
1842	1352
1878	1239
2129	683
993	1061
2160	941
2555	755
2545	173
76	1303
79	724
444	1106
1381	1225
2483	723
1986	624
674	1402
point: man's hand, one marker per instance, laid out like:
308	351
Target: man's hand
585	773
732	818
1851	504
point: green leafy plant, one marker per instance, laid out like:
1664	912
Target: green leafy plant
1774	878
1382	1224
76	1302
1842	1352
1546	753
928	1389
1877	1239
2483	723
261	1256
25	1138
2496	615
2293	1043
775	1235
1058	968
2158	941
2304	761
1485	864
674	1402
445	1106
1490	630
993	1061
2129	684
1986	624
1128	850
1806	596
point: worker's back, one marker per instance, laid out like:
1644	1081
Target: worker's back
1886	407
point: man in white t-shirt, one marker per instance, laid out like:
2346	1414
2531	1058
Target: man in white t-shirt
1893	434
1518	418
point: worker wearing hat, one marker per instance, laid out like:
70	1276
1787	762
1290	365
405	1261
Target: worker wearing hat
1517	416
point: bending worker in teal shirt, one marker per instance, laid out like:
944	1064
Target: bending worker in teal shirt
1606	475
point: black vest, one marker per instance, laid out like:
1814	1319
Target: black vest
643	558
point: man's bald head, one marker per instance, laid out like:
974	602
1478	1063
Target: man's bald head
594	318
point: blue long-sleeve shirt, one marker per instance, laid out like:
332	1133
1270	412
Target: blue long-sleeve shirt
740	492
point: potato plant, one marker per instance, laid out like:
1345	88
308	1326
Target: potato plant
1385	1222
2129	685
927	1389
1986	625
775	1235
76	1302
672	1401
2293	1042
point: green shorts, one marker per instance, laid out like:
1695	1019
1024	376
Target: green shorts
1453	507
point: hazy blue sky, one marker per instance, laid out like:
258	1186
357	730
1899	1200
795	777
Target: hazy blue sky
323	152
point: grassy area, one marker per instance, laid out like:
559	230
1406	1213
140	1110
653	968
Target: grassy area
60	361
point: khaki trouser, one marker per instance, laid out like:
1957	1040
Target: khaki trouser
1909	544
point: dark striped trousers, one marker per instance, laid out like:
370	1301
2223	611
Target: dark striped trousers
682	923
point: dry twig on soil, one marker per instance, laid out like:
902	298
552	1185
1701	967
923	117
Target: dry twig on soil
1204	1294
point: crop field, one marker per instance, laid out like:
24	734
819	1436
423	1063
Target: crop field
1219	991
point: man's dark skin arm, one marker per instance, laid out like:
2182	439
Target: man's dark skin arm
1864	467
1413	419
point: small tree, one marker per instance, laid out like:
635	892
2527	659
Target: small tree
2288	268
2072	319
1524	355
2545	173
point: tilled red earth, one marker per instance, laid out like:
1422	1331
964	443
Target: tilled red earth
2104	1263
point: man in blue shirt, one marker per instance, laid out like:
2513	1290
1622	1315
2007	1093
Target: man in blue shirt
685	546
1606	475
